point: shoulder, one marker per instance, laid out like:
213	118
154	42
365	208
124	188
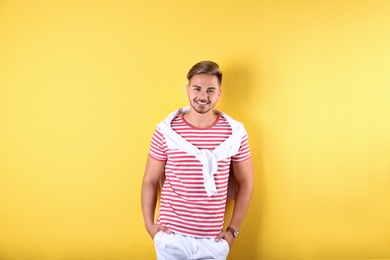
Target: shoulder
236	126
227	117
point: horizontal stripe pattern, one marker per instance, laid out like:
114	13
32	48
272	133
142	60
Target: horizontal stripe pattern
185	207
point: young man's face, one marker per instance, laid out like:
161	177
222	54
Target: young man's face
203	92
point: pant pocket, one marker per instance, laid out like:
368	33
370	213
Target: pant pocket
157	237
226	246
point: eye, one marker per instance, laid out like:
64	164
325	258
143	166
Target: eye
197	89
211	91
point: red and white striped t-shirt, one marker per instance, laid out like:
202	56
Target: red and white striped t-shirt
185	207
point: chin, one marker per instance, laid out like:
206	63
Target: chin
203	110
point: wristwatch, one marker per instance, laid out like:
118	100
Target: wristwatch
233	231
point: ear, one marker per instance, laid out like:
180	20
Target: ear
188	87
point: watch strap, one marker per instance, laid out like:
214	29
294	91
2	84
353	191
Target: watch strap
233	231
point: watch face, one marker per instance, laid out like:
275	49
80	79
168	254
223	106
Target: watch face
234	232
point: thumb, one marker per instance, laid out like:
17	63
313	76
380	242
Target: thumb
165	230
219	237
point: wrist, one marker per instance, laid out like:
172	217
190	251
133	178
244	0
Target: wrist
233	231
149	224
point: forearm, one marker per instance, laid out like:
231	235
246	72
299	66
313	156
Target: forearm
241	204
148	202
154	171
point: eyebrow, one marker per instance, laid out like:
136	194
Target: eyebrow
196	86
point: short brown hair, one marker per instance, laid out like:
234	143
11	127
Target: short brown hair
205	67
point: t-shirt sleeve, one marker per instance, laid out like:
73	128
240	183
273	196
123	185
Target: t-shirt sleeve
244	151
157	146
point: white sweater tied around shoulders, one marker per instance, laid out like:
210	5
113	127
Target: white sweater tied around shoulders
209	159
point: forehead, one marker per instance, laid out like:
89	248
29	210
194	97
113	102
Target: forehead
204	80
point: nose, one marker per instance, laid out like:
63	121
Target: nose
203	94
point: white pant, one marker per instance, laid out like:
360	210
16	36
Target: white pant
178	247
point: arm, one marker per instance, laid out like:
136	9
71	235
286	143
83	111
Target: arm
154	171
243	172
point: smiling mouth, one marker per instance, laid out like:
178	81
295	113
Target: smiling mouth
202	103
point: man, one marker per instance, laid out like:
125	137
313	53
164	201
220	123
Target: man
193	152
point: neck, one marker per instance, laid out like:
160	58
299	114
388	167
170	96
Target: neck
198	120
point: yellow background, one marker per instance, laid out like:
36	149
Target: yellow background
83	84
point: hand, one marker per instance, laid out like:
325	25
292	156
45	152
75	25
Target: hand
155	228
228	236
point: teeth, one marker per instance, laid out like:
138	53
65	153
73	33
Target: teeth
201	103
